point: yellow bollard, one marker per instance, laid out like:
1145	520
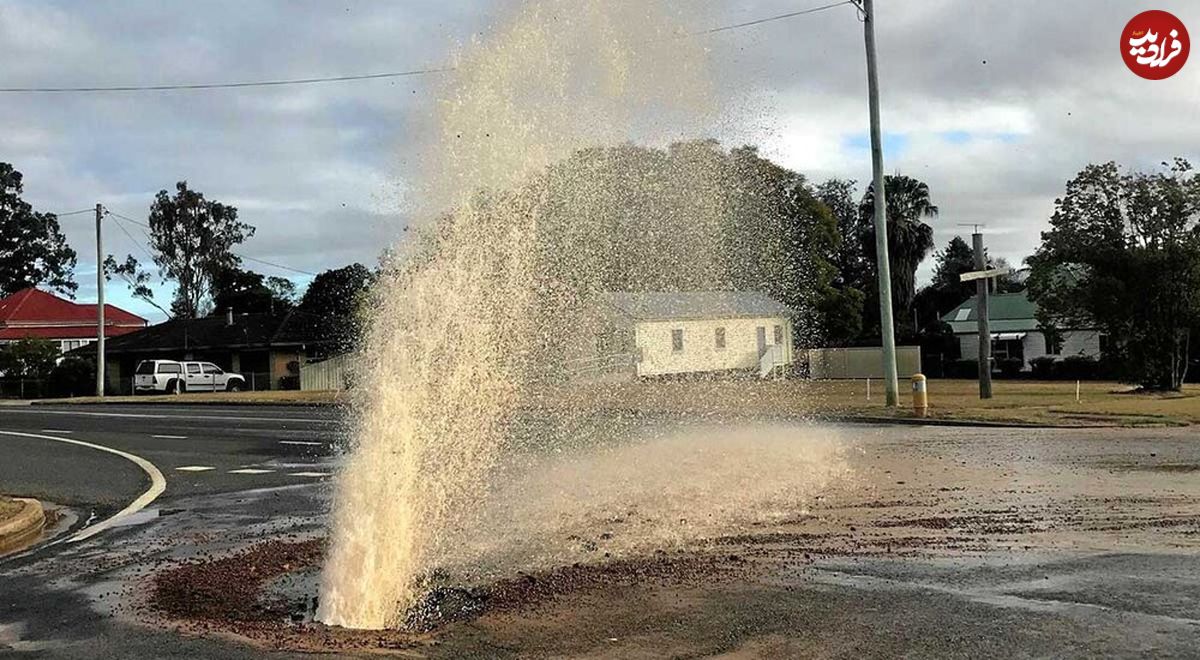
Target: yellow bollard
920	396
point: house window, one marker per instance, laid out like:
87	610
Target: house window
677	340
778	335
719	338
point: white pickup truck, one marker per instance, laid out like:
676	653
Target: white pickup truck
172	377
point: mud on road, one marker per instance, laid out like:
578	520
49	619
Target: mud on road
938	541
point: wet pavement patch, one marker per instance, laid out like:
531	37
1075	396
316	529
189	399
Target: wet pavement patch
266	595
230	588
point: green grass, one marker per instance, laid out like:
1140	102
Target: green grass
1019	402
1015	401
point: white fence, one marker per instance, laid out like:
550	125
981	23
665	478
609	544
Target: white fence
865	362
331	374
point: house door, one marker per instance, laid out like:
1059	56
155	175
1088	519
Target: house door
762	340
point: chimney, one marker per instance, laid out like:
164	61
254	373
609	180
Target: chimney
229	316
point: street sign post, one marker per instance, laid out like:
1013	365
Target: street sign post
981	277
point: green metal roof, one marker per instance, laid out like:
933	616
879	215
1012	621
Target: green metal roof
1007	312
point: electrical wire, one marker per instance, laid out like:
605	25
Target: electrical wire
770	19
242	256
63	215
220	85
350	78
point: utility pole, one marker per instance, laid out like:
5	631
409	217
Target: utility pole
981	311
890	380
99	303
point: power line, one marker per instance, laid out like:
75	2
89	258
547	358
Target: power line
143	248
220	85
247	258
268	263
769	19
351	78
63	215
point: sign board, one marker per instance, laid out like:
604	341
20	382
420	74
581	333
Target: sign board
984	274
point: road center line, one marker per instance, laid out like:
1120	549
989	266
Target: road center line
170	437
56	431
158	483
301	442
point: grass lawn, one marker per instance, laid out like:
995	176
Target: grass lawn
1014	401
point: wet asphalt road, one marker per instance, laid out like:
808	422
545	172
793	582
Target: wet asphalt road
273	443
1078	544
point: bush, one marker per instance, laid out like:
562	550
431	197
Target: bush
1044	368
962	369
1078	367
1010	367
74	376
289	383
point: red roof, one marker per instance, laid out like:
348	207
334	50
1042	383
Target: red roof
35	313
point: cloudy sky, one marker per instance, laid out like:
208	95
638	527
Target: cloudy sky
995	104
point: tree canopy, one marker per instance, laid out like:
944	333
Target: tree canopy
910	240
193	239
1122	255
332	309
33	250
247	291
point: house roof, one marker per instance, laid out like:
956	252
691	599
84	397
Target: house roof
1007	312
35	313
212	332
670	306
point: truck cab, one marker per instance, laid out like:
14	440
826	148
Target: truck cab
208	377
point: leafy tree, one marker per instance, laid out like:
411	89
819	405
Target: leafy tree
910	240
28	359
193	240
33	250
247	291
135	278
73	376
1123	255
854	266
332	307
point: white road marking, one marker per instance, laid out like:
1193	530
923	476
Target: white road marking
158	483
250	471
223	418
310	474
56	431
195	468
170	437
301	442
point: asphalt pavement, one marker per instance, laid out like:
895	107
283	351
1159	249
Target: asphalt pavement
918	542
199	449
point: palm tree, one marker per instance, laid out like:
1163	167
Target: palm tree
910	240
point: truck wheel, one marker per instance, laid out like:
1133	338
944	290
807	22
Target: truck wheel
173	387
233	386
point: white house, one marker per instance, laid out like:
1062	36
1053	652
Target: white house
696	332
1012	320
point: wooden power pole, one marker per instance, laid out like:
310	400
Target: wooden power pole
99	303
981	311
981	276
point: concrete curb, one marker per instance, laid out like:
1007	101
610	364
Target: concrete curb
23	528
